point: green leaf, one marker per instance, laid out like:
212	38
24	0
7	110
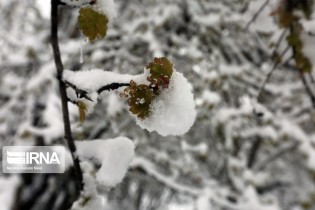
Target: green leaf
161	70
139	98
92	23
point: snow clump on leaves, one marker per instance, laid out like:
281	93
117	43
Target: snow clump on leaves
167	104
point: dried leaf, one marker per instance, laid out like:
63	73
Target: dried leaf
140	98
92	23
82	111
161	70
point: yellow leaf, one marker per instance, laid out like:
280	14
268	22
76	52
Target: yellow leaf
82	110
92	23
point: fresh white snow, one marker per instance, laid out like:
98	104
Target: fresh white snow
173	111
114	155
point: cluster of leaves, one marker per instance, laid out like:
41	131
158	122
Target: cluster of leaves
288	18
92	23
161	70
286	8
140	97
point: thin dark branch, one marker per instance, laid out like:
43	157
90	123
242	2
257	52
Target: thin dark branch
312	78
79	92
84	94
279	42
301	71
59	2
263	6
308	88
72	101
63	94
253	152
274	67
112	86
272	186
276	155
244	8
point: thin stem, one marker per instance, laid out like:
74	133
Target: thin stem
252	156
301	72
276	155
274	67
253	19
63	94
112	86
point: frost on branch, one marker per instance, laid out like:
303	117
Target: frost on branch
114	155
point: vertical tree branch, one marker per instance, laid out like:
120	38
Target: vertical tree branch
63	94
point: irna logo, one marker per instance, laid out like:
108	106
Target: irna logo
33	159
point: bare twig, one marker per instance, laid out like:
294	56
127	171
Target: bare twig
272	186
301	71
79	92
312	78
279	42
253	19
253	152
276	155
85	94
271	71
63	94
307	88
112	86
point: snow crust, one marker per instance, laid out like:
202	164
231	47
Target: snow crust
113	154
173	111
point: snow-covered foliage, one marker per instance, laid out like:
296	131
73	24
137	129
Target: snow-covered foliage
239	154
114	155
171	112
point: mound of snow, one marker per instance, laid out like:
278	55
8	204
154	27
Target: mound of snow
113	154
173	111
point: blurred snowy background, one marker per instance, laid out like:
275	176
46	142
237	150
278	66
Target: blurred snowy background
239	155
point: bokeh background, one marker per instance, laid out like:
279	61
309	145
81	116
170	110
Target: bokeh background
239	154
